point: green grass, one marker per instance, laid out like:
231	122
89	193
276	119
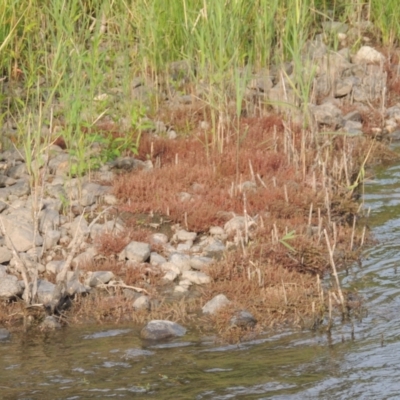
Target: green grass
61	54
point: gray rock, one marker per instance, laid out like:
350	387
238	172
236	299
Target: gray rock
45	290
55	162
156	259
198	262
6	181
243	319
159	238
215	304
55	266
184	247
238	223
99	278
56	190
136	251
327	114
170	276
215	249
3	206
91	192
343	87
21	188
3	271
198	278
10	287
29	260
394	112
368	55
395	135
182	236
81	224
74	286
20	232
217	231
169	266
4	334
5	255
50	323
112	226
142	303
182	261
85	257
17	171
261	82
181	288
160	329
4	193
353	128
49	219
51	238
353	116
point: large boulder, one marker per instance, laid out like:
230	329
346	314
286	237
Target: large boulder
161	329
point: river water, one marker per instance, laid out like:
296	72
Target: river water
358	360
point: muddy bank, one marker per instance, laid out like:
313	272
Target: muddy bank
249	212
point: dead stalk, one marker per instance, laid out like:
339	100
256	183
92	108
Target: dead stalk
332	262
310	214
286	193
284	292
353	233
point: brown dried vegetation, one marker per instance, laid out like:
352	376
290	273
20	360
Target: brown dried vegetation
300	183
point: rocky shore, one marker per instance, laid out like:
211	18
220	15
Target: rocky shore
66	239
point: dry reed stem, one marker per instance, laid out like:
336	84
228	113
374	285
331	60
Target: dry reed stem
335	274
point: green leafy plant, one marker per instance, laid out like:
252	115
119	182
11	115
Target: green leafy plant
289	236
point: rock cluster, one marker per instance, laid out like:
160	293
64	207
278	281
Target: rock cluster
37	236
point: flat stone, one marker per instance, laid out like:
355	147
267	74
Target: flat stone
215	304
327	114
198	262
142	303
182	235
51	238
10	287
161	329
198	278
243	319
49	219
136	251
4	334
368	55
45	290
98	278
85	257
20	232
217	231
181	289
55	266
160	238
169	266
215	249
182	261
156	259
5	255
170	276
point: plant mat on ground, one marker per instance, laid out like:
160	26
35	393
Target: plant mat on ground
301	184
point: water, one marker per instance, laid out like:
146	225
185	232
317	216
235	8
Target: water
359	360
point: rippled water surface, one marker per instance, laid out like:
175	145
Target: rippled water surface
105	362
